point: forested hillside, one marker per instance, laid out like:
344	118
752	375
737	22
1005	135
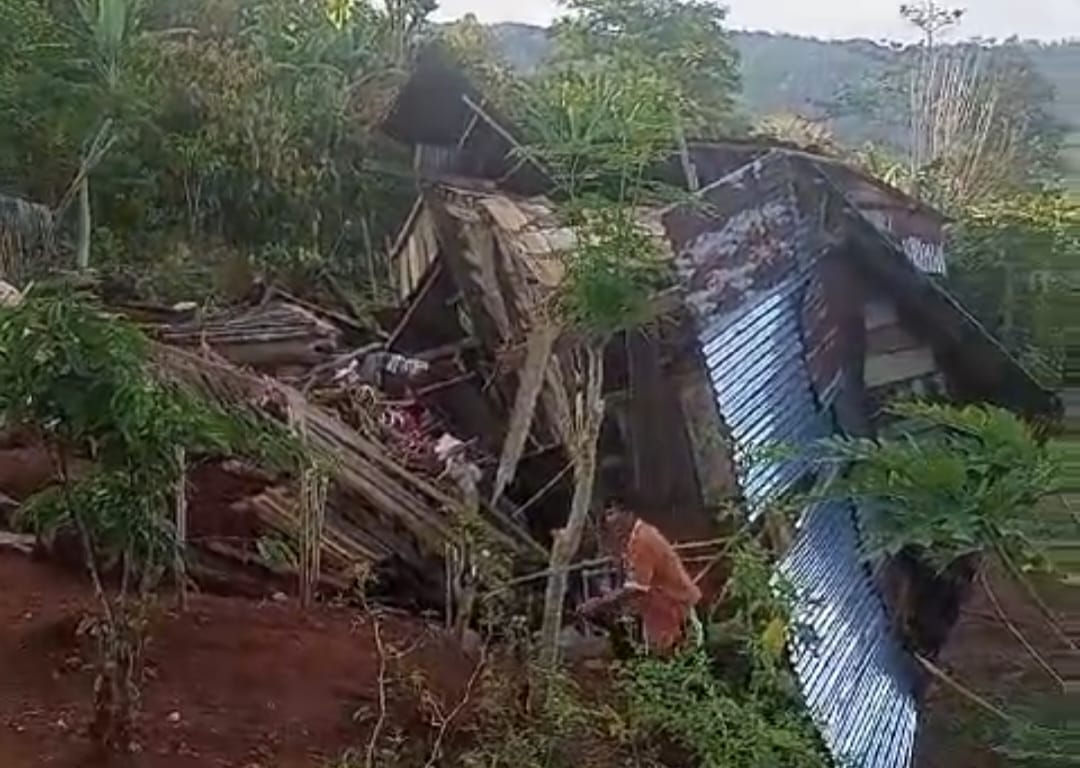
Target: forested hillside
783	73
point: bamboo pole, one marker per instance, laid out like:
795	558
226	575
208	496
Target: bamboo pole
588	416
181	523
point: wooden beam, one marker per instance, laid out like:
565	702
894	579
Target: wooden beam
665	303
882	370
432	277
446	350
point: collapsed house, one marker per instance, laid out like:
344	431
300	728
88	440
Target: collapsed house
394	514
806	299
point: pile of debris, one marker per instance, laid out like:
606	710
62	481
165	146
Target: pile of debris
398	505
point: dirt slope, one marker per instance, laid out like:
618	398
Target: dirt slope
232	682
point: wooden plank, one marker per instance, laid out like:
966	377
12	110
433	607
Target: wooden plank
357	463
711	447
480	253
890	338
882	370
19	542
880	313
664	304
539	346
506	214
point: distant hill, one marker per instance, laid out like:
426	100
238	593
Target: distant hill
794	74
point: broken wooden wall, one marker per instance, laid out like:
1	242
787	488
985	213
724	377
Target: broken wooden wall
664	474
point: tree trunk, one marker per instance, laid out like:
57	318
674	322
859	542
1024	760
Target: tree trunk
82	253
588	418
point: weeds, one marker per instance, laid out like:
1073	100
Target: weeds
682	699
734	704
84	383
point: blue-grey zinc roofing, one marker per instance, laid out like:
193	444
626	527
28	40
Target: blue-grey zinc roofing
855	678
754	360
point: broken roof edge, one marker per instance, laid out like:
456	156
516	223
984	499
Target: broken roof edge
826	161
1026	391
1031	396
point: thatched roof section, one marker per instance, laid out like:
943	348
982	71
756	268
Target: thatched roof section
25	228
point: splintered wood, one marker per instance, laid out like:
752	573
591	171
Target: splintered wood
356	500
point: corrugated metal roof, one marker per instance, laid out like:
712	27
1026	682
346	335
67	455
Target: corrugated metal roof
857	681
754	358
749	268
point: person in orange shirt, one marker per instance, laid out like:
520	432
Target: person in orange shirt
656	585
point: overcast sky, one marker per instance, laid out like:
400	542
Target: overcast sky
874	19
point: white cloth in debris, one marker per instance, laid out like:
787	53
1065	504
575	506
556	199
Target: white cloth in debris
373	367
399	365
451	452
447	446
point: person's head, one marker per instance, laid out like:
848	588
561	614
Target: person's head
618	524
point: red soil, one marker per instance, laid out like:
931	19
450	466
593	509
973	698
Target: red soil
230	682
213	489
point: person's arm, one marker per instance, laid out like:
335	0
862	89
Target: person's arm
614	599
639	577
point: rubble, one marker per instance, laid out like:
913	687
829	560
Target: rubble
277	337
380	510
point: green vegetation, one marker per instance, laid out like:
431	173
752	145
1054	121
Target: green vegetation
598	131
684	42
951	482
733	705
190	147
828	81
1058	528
84	383
1012	262
737	704
234	137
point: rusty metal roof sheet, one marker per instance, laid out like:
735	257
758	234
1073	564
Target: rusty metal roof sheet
749	264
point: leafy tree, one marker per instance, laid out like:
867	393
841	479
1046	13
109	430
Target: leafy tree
1012	261
951	482
83	381
476	50
242	134
932	19
974	120
681	41
597	132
